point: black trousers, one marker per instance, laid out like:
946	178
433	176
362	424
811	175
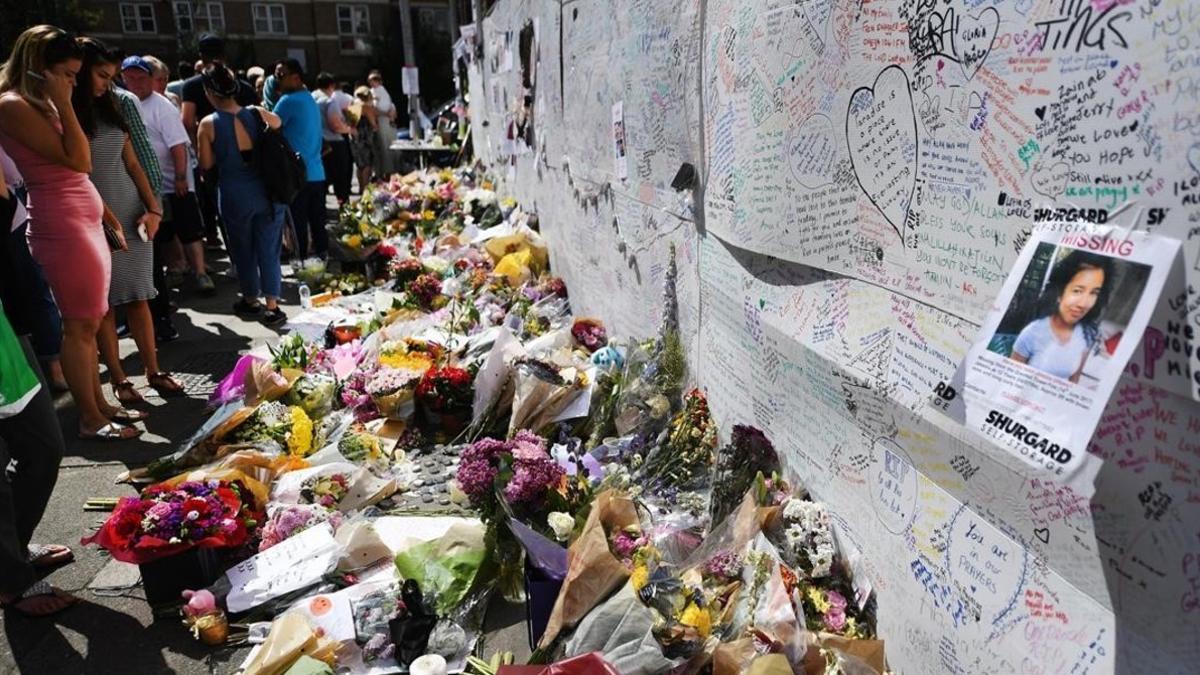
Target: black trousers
308	216
339	168
33	439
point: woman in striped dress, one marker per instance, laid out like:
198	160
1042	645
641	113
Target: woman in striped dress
130	203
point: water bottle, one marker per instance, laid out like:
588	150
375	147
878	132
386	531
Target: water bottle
305	297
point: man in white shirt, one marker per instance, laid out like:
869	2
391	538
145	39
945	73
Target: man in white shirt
170	141
336	132
387	119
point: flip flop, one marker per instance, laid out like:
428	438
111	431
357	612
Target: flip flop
50	555
40	589
126	392
110	432
127	416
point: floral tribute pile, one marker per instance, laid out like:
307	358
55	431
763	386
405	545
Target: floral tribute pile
585	460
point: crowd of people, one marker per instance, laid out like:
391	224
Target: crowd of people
113	178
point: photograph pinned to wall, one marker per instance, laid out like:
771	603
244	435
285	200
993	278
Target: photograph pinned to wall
1071	313
618	129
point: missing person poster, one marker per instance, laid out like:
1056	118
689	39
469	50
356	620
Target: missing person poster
1058	337
618	129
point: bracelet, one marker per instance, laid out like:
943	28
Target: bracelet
157	213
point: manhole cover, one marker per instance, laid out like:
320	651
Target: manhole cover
200	373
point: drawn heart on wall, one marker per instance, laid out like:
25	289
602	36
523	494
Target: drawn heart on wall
974	39
1050	181
881	134
1193	158
1040	112
1043	534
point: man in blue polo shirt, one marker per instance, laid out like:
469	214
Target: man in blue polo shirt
302	128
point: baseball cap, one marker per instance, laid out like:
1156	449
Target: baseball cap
136	62
211	46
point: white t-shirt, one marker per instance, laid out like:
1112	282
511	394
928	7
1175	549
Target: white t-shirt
165	128
336	104
1042	350
383	100
13	179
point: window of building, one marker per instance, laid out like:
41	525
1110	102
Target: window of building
354	25
269	18
200	17
138	17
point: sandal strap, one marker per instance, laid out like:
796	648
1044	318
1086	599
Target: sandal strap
127	384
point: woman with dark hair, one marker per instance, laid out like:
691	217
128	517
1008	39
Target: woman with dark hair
130	205
1069	328
41	133
228	140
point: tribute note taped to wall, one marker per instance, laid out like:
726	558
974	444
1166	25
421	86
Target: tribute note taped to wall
1057	339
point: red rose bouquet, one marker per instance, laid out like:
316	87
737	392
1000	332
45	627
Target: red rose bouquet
446	389
169	520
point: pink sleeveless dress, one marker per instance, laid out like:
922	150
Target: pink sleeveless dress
66	234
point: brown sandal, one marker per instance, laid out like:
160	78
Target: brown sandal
165	384
126	392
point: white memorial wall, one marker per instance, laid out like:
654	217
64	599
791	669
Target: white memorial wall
867	172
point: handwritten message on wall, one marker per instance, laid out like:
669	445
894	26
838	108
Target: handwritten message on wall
867	173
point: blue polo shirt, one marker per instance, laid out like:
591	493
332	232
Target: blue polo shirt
302	128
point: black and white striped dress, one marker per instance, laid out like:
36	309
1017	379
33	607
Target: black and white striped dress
132	270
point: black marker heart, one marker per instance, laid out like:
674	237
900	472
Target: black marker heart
1043	534
1040	112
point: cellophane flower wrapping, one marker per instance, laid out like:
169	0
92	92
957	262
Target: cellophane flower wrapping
313	393
593	571
676	475
543	390
620	629
287	520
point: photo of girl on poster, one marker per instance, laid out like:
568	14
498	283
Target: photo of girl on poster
1072	307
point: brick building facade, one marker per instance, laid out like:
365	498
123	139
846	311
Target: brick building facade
344	38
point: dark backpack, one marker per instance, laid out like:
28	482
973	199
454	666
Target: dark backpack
281	167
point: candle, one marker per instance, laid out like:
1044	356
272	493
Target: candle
430	664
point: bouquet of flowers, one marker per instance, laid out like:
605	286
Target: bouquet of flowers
804	538
405	270
589	334
392	390
347	284
326	490
355	397
425	293
311	272
675	475
291	352
445	397
410	353
165	520
827	608
338	360
289	426
312	393
357	232
520	469
360	445
288	520
748	454
542	390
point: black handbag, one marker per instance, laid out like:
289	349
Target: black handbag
281	167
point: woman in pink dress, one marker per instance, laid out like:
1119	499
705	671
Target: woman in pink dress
40	132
